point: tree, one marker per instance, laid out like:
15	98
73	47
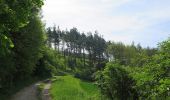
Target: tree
28	43
84	47
49	37
19	20
153	79
14	15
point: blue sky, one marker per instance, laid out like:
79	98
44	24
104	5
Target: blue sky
143	21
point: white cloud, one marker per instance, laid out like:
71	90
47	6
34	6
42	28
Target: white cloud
95	16
91	15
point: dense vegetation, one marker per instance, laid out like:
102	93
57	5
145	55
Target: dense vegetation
28	51
21	41
147	80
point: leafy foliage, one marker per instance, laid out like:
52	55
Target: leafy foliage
153	80
116	83
50	64
14	15
21	41
28	45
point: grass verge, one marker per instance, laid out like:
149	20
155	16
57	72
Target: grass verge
70	88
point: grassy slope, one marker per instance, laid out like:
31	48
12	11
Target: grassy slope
70	88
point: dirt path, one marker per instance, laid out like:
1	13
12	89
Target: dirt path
45	92
28	93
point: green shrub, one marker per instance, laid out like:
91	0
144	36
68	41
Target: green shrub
115	82
46	66
85	74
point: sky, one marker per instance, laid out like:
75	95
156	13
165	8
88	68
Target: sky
143	21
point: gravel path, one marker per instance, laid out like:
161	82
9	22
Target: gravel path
28	93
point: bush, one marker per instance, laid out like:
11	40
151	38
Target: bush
115	82
85	74
153	79
46	66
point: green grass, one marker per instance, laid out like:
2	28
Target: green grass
70	88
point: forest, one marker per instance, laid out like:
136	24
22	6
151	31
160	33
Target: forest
31	51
